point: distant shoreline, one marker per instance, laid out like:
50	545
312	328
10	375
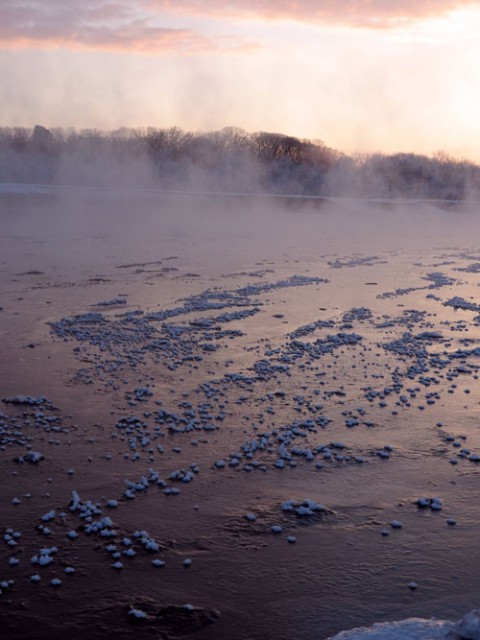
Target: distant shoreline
227	162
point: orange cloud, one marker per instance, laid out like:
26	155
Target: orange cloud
165	26
118	25
121	40
359	13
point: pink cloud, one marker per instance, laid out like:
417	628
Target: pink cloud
157	26
359	13
119	25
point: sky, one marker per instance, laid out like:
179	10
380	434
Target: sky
362	76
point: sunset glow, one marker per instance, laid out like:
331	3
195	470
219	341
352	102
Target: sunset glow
370	76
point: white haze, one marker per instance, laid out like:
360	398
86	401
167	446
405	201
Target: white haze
88	229
119	212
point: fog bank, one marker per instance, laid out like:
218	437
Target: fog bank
226	161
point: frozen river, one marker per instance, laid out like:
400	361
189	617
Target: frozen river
235	418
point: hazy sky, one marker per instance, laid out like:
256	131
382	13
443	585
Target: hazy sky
360	75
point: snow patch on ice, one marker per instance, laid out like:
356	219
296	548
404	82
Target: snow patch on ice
468	628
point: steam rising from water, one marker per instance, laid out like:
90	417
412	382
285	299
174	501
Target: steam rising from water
81	238
227	161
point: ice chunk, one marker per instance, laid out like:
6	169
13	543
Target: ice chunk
158	563
138	614
468	628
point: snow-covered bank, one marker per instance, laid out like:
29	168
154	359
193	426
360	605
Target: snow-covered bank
468	628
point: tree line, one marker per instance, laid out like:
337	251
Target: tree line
226	160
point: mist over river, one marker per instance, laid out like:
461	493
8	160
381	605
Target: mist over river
235	417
